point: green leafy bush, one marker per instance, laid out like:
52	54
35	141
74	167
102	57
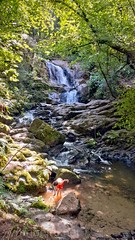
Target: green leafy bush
126	109
97	86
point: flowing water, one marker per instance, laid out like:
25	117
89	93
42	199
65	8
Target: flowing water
61	77
107	198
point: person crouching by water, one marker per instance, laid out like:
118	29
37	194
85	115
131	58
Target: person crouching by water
58	185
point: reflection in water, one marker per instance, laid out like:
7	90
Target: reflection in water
122	178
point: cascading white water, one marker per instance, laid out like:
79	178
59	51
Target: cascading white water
61	77
57	74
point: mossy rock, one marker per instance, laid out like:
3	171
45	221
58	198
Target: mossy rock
121	137
26	152
39	203
3	152
111	137
3	160
3	205
6	119
46	133
67	174
34	177
4	128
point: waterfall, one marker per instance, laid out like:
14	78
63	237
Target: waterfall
57	74
62	77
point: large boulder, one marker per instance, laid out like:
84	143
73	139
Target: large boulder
27	171
70	205
67	174
96	118
46	133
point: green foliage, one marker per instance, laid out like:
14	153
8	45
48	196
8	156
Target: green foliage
97	86
126	109
39	203
91	142
99	33
18	18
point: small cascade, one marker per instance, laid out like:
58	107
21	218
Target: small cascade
63	78
27	118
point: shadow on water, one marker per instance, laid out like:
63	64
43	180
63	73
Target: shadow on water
121	177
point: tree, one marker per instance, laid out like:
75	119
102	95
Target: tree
99	32
18	17
97	24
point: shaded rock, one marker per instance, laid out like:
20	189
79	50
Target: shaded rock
71	137
83	92
46	133
70	204
6	119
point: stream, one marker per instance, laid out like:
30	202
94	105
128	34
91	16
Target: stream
107	200
107	193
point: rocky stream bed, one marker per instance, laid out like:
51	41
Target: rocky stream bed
99	202
63	137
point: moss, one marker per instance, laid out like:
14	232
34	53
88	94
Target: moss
91	142
4	128
26	152
21	188
46	133
22	181
120	137
6	119
39	203
3	160
20	156
40	161
3	205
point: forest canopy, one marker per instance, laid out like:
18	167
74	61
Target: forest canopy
99	34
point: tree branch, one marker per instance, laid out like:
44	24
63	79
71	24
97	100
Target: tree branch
104	75
13	157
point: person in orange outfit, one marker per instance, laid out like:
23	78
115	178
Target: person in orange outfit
58	185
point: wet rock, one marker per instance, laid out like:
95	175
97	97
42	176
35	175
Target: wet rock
71	137
68	156
70	205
